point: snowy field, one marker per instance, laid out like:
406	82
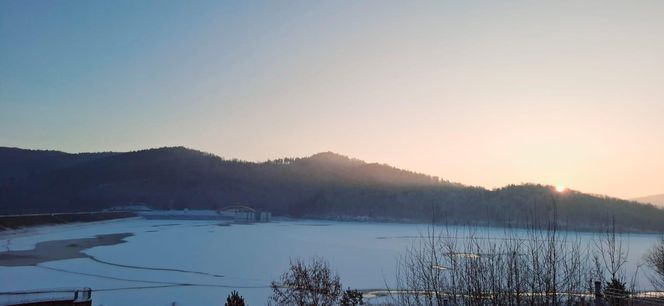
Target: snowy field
200	262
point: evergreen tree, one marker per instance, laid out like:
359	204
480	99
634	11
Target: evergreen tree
352	297
234	299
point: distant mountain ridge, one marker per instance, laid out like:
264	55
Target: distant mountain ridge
324	185
657	199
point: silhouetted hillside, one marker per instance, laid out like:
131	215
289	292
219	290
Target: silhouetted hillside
325	185
19	163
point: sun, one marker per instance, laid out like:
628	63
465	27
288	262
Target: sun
560	188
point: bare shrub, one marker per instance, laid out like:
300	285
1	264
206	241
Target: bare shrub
655	259
531	267
307	284
612	252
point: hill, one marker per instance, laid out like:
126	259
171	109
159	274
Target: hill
325	185
19	163
657	200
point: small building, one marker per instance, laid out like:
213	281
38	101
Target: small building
239	213
244	213
264	216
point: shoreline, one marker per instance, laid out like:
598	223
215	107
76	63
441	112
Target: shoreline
515	226
13	222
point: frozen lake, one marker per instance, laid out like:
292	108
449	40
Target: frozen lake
242	257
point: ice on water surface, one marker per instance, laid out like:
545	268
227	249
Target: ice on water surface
200	262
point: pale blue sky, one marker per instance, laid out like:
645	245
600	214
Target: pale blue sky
481	92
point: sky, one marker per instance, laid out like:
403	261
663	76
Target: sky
484	93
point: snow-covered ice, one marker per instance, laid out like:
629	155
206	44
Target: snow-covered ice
248	257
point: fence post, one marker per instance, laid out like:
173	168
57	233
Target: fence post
599	301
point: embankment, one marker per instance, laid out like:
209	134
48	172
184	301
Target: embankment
19	221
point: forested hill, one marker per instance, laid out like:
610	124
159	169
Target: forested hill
325	185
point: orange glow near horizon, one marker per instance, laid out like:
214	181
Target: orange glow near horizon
481	93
